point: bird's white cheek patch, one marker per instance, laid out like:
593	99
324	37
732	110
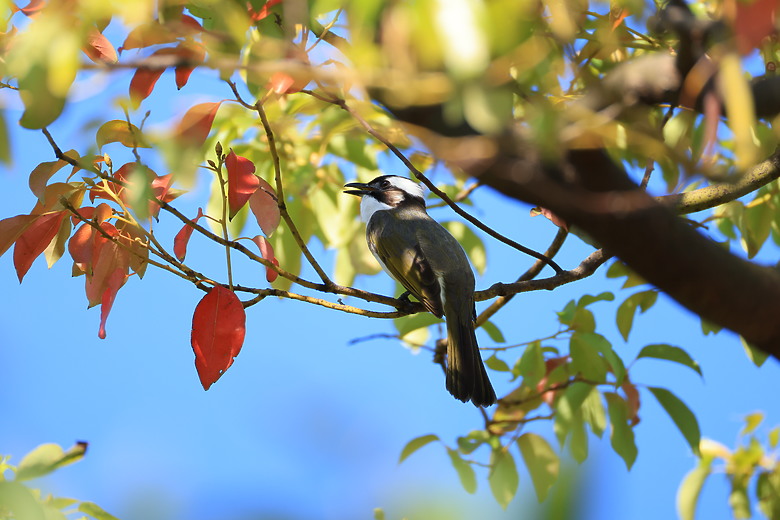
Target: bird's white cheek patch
369	205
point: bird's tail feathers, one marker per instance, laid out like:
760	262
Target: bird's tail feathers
467	378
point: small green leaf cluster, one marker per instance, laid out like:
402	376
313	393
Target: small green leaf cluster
752	469
18	501
585	387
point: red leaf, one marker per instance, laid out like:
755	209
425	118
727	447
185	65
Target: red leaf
98	48
12	228
142	84
161	186
34	241
218	329
114	282
242	181
191	23
632	399
195	54
753	22
555	219
194	127
107	257
263	12
265	207
267	252
183	238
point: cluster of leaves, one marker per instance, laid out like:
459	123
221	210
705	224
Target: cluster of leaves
588	385
18	501
749	461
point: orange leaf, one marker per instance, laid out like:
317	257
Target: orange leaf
98	48
267	252
194	127
114	282
107	258
34	240
263	12
281	83
632	399
12	228
555	219
142	84
218	329
265	207
183	238
80	247
242	181
33	7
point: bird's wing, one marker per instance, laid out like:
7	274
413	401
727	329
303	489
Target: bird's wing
412	270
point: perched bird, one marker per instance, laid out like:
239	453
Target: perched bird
431	265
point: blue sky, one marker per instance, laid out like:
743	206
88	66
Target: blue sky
305	426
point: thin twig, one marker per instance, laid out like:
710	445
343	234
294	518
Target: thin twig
281	199
530	274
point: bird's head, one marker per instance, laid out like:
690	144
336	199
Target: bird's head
385	193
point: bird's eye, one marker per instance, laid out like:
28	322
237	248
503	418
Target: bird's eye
384	184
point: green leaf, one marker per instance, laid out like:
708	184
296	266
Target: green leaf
681	415
472	441
407	324
471	243
379	513
578	445
499	365
768	493
627	310
493	331
46	458
588	299
600	344
670	353
503	477
542	462
752	421
739	499
622	435
531	365
466	473
415	444
593	412
95	511
690	489
17	499
122	132
774	437
567	409
585	358
756	223
619	270
757	356
5	143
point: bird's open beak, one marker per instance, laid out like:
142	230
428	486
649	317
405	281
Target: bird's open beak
361	189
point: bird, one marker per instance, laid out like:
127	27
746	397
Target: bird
432	266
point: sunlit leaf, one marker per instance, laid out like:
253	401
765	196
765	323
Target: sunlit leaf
690	489
118	131
194	127
46	458
493	331
98	48
415	444
503	477
95	511
34	240
752	421
542	462
468	478
20	502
